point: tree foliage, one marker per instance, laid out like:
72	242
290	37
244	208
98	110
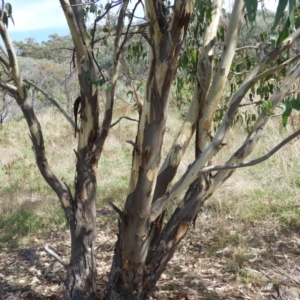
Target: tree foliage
194	46
57	48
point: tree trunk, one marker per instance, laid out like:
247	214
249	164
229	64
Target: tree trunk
143	277
129	274
80	281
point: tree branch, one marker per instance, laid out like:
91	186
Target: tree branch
193	172
250	47
239	73
254	161
54	102
99	18
110	93
242	105
257	47
87	74
249	81
220	78
127	31
9	87
168	170
36	135
93	38
123	117
4	62
13	64
256	131
137	101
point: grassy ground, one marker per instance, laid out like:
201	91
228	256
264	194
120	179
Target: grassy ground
245	244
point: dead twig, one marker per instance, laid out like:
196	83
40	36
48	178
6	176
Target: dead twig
286	275
53	254
115	208
123	117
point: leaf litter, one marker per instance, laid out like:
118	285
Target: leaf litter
265	265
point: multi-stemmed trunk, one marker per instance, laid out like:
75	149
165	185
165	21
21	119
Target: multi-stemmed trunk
129	276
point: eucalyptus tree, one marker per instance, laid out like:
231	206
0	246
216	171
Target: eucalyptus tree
147	238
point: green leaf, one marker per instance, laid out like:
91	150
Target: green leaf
232	88
27	87
239	66
129	95
268	107
249	64
107	6
92	31
287	105
8	10
279	12
251	7
95	81
284	32
5	19
274	38
284	120
12	19
107	86
93	9
297	22
292	6
296	103
263	36
221	33
105	29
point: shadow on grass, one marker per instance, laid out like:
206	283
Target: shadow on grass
25	276
12	292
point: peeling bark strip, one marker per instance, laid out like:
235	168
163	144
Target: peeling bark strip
164	247
204	73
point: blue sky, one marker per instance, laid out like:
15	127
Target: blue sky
37	19
40	18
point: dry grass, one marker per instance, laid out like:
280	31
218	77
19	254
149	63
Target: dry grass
267	189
